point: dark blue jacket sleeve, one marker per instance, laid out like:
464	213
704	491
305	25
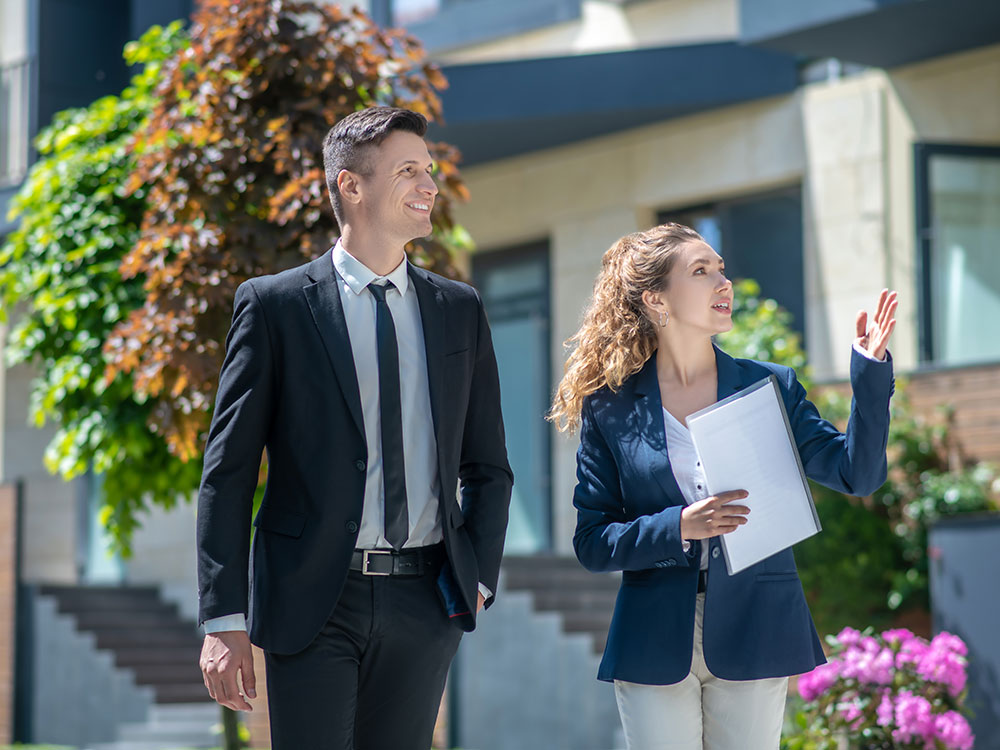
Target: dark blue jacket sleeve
605	538
853	462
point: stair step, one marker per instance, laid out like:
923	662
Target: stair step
90	619
135	656
160	714
150	637
179	733
583	600
182	693
165	674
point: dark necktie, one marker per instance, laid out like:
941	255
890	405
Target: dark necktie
397	523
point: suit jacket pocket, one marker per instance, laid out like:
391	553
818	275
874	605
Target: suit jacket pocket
279	521
776	577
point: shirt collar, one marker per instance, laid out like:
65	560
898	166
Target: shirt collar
358	275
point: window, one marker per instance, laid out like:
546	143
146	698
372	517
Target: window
514	285
958	232
760	238
15	99
405	12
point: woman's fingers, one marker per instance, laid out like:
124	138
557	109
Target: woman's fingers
861	324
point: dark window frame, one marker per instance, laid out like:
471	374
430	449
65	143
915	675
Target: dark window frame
923	152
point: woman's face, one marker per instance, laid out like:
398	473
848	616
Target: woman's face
697	294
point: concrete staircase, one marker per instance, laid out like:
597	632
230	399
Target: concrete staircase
144	634
170	727
583	600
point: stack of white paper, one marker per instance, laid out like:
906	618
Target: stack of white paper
745	443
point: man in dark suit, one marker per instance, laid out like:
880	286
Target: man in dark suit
373	386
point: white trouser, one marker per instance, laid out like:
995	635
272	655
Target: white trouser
702	711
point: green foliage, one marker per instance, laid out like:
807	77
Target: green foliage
763	330
60	271
871	558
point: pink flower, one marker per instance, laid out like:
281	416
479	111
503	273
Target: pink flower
913	718
869	664
885	713
945	641
910	652
954	731
851	712
898	636
944	663
814	684
848	637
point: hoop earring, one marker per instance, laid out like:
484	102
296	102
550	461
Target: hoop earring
663	319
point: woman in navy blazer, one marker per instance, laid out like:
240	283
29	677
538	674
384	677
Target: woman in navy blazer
699	658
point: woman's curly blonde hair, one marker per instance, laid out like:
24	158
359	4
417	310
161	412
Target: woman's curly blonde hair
617	336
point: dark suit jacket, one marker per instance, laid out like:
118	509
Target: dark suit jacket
629	506
288	384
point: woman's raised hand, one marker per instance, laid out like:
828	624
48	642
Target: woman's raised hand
712	516
874	337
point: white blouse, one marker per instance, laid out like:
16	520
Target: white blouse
687	468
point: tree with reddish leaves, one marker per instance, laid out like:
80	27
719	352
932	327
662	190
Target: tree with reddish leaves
225	170
231	160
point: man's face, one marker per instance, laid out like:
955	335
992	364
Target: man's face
397	193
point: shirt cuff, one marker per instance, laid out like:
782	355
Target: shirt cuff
866	355
226	622
487	594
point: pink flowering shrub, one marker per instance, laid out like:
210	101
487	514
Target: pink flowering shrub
893	691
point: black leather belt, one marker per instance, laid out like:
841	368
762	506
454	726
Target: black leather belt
702	581
414	561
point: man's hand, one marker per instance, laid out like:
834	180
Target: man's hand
712	516
225	658
874	338
480	603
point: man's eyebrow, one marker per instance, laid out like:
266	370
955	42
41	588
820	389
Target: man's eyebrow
406	162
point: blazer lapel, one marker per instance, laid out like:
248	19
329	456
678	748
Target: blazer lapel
649	408
323	297
729	375
430	299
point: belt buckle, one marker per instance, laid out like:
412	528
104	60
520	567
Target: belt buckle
366	555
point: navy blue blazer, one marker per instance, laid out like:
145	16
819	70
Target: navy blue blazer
757	623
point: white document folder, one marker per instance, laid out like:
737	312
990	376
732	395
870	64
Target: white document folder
745	442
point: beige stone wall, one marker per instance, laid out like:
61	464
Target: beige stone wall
50	504
606	26
849	143
164	555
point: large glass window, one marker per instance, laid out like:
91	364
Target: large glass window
958	214
514	285
760	238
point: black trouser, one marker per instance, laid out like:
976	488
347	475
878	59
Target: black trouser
373	677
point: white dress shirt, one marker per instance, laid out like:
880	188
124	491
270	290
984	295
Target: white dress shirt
687	467
419	442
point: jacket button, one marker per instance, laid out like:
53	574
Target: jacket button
360	465
671	561
352	527
715	552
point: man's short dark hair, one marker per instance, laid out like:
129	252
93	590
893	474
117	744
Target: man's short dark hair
349	143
